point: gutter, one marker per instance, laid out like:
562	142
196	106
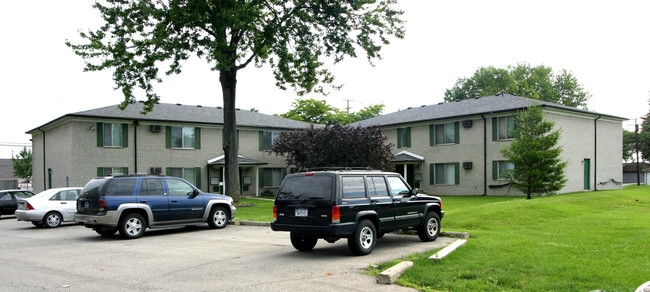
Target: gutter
484	155
44	174
596	152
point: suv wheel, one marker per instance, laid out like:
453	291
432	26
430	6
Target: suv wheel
132	226
430	229
303	243
362	241
52	220
218	218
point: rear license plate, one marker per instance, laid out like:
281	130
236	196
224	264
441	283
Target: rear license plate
301	212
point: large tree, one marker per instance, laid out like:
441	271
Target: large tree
23	164
320	112
538	166
335	146
534	82
292	36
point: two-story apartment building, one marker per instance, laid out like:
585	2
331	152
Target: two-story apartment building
178	140
455	148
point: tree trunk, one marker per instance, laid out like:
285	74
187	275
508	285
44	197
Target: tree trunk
228	79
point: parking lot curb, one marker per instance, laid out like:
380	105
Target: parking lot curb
252	223
391	275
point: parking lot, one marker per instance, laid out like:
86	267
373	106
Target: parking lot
237	258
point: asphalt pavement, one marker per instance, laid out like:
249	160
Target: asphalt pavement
237	258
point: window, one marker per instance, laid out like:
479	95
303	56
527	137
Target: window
112	135
444	173
267	139
120	187
377	186
404	137
353	187
272	177
315	186
112	171
6	197
503	128
151	187
183	137
192	175
500	168
67	195
397	186
179	188
447	133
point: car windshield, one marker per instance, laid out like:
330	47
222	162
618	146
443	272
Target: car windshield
314	187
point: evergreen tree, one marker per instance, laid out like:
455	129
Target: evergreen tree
539	169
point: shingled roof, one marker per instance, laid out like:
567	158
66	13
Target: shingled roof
464	108
165	112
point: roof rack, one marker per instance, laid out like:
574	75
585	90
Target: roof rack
335	168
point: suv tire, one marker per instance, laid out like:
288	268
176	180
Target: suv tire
430	228
363	240
132	226
218	217
303	243
52	220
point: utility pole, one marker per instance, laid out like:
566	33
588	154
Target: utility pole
638	170
348	107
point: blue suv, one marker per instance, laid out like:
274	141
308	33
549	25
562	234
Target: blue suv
129	204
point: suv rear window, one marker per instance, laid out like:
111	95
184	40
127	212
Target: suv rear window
120	187
315	187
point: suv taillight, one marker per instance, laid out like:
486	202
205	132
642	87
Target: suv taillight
103	206
336	214
275	212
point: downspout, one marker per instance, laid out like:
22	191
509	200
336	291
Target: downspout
596	152
484	155
44	171
135	146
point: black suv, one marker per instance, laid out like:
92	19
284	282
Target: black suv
132	203
358	205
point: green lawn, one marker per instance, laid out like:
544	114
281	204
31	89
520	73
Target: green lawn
262	212
571	242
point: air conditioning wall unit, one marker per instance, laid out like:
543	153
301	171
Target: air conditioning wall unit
156	170
155	128
467	123
468	165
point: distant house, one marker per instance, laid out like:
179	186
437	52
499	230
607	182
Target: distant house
7	178
177	140
629	172
454	148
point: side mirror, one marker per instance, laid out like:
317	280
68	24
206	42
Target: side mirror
195	192
414	192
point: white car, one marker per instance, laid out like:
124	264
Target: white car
49	208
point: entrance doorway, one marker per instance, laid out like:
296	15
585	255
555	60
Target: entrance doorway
409	175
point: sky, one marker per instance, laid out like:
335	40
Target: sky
604	44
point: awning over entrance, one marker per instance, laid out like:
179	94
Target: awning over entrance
221	160
406	157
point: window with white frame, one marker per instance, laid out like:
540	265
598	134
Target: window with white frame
272	177
506	126
112	135
189	174
503	167
445	173
183	137
268	139
445	133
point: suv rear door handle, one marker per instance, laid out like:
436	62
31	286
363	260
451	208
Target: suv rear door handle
144	201
374	201
174	201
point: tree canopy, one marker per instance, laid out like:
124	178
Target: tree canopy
524	80
335	146
320	112
293	37
538	166
23	164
